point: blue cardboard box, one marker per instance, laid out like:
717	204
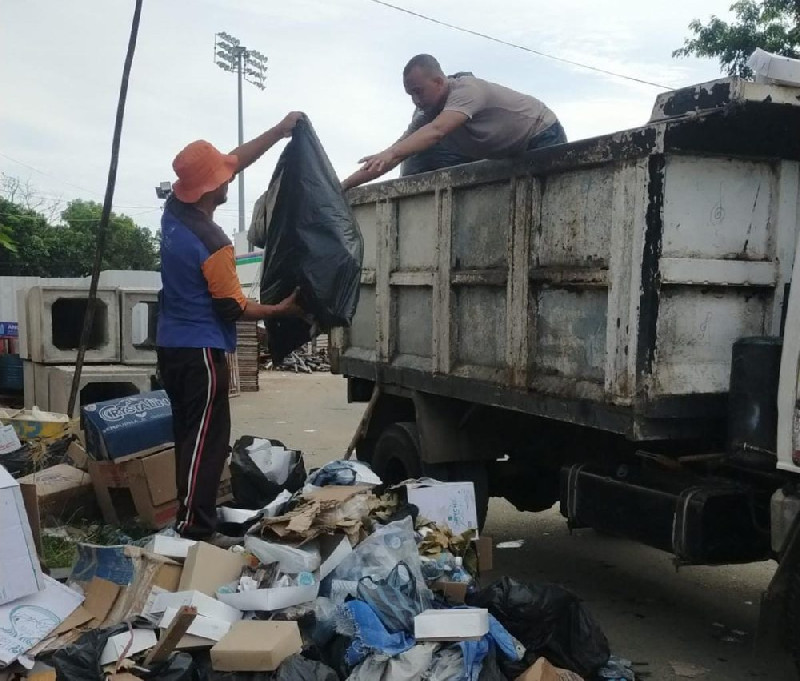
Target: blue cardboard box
119	428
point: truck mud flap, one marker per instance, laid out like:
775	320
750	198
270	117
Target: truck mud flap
701	521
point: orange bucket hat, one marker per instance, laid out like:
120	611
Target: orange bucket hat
201	168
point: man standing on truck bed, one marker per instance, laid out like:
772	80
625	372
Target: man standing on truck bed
199	304
460	119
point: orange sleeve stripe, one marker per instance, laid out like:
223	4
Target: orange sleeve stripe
219	269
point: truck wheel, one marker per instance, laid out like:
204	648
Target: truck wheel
465	471
793	616
397	453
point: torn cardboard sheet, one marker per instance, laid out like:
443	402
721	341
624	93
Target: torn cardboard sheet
26	621
323	511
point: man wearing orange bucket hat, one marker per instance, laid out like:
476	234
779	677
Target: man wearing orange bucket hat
200	301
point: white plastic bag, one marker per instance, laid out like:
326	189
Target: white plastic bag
290	558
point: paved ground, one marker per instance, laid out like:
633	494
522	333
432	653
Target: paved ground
650	613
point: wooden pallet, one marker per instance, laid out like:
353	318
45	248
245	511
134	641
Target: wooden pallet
247	354
233	374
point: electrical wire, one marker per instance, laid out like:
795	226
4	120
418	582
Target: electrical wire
507	43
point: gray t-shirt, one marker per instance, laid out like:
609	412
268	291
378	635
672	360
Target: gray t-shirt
501	121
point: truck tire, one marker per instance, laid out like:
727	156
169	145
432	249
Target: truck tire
793	617
465	471
397	453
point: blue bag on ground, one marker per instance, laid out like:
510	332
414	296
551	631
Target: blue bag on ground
312	242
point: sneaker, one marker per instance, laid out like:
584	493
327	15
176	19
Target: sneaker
223	541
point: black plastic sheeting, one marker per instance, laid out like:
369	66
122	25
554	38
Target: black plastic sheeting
312	243
549	621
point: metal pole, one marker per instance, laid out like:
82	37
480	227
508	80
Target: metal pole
241	142
108	199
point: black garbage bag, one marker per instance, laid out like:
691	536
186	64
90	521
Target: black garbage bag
298	668
549	621
312	243
251	488
80	661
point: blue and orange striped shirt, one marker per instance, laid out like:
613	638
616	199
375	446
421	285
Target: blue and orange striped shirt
201	297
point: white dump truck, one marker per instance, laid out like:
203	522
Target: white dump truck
609	324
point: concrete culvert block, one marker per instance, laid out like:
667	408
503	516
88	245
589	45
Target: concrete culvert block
55	321
138	310
98	383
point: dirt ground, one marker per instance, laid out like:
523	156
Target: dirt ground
705	617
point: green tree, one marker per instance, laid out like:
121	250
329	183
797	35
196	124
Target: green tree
67	249
128	246
772	25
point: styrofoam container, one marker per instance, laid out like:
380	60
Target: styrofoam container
451	625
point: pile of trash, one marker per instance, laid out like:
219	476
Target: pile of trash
337	577
303	361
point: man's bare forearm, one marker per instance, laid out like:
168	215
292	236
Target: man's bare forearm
249	152
359	177
255	311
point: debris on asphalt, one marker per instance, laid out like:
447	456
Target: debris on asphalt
516	544
336	576
686	670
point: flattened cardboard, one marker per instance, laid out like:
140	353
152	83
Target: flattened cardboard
207	568
451	504
26	621
20	573
253	646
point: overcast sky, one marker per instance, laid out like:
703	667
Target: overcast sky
340	61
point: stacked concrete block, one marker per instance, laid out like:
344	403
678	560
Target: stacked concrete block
53	320
138	309
35	382
97	384
123	333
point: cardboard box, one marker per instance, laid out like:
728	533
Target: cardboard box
269	600
122	427
208	628
484	549
252	646
20	574
206	606
451	625
61	492
542	670
118	646
150	481
455	592
207	568
451	504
